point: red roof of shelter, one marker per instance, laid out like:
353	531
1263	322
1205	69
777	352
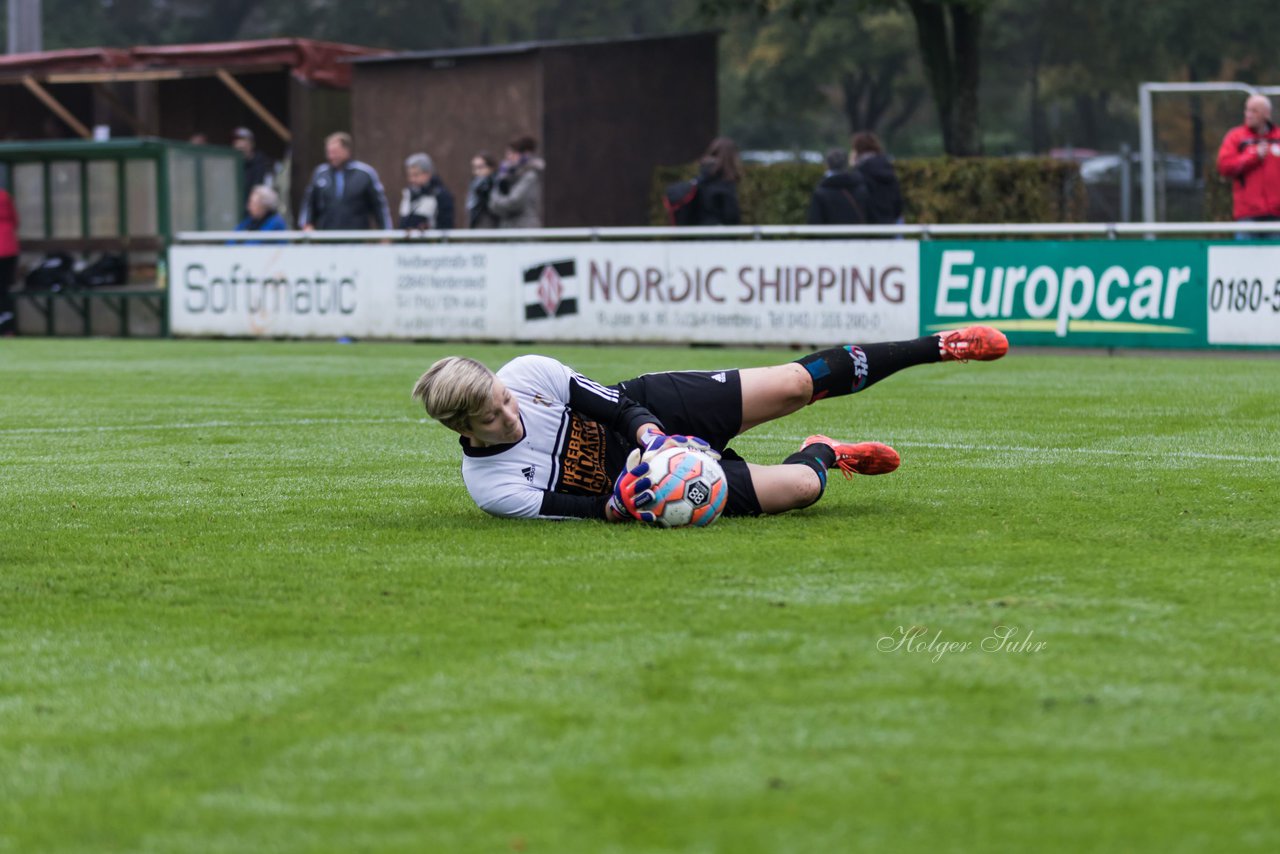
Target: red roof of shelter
310	61
78	59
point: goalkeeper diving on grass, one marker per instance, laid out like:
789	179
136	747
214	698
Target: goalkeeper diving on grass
540	440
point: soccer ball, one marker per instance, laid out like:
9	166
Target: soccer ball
689	488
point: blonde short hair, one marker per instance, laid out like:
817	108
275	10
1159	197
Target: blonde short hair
454	390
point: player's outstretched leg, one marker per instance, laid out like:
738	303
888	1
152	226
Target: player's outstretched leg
801	479
769	393
973	343
855	457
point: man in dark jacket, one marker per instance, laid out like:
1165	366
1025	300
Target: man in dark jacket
344	194
259	171
426	202
883	191
841	196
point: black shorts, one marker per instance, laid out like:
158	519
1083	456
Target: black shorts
706	404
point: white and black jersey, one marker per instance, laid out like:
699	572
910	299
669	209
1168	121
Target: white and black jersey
577	434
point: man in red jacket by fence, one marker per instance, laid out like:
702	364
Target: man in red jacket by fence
1250	156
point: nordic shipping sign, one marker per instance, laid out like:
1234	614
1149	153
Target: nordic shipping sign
1085	293
783	291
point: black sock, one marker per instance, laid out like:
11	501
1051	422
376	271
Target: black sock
818	457
852	368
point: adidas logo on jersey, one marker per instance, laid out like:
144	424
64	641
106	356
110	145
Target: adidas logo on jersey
527	471
718	377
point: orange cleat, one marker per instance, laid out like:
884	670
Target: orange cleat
860	458
973	343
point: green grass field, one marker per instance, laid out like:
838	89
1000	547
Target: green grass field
246	605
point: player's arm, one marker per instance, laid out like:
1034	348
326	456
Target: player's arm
556	505
512	499
631	492
510	496
619	412
606	405
610	407
558	382
522	500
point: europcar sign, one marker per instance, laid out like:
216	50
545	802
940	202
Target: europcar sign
1092	294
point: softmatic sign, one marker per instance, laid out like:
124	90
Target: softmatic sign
329	290
1140	293
778	292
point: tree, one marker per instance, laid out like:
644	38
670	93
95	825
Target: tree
124	23
787	84
1081	62
877	87
395	24
948	34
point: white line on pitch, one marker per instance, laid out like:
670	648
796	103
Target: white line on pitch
1048	452
1115	452
946	446
204	425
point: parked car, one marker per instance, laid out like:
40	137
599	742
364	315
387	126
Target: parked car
1076	155
781	156
1175	171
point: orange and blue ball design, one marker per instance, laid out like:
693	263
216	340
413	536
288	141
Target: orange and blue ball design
689	488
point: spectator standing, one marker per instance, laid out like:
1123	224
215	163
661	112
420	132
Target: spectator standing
259	171
8	262
344	194
426	202
883	191
719	173
1250	157
516	197
478	213
841	196
263	214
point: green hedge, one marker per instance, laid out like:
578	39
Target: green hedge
935	190
1217	195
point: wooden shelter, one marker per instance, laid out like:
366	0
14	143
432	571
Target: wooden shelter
289	92
605	113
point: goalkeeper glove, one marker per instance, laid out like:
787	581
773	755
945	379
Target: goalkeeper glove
654	441
632	491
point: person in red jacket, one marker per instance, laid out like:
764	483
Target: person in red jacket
1250	156
8	261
